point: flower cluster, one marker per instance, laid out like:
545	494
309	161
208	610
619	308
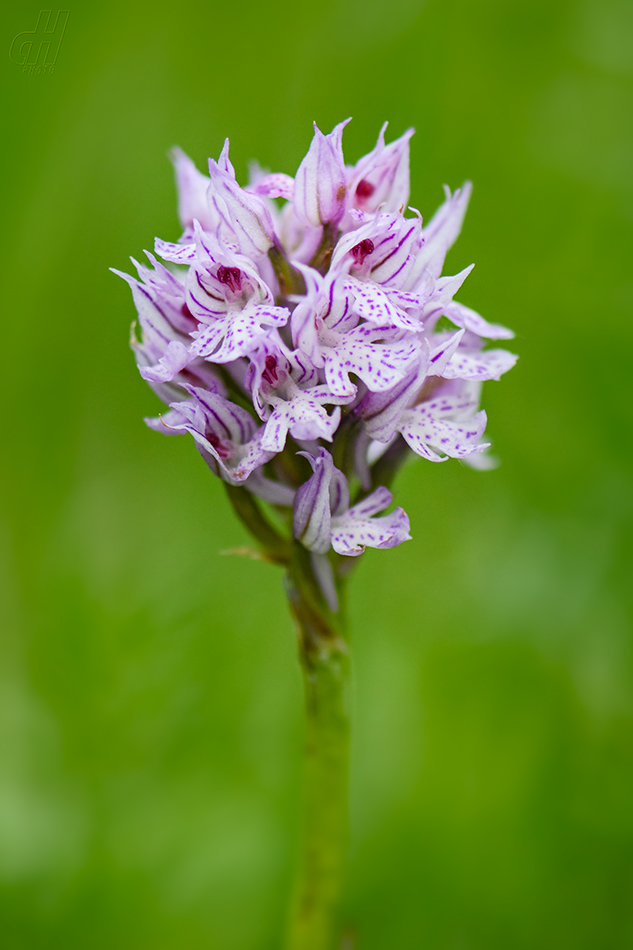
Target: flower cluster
302	333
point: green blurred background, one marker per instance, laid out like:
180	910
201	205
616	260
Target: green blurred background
150	704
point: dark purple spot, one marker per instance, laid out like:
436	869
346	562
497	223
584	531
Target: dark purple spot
270	373
231	276
364	190
360	251
224	450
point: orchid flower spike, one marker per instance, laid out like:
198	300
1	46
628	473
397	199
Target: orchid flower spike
302	332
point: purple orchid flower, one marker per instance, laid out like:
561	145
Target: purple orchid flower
312	313
323	518
163	353
286	394
381	178
227	436
326	326
234	308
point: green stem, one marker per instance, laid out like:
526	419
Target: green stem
290	279
274	547
324	659
323	255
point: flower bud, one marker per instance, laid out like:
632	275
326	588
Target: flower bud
382	176
320	183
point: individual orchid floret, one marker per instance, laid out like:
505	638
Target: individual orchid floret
227	436
429	406
381	260
323	518
325	326
376	259
445	425
287	396
381	178
383	248
320	188
232	305
381	412
163	351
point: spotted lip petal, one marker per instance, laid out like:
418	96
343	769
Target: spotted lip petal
483	364
436	438
303	416
377	355
373	305
359	528
236	334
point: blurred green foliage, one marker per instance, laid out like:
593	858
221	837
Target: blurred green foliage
150	703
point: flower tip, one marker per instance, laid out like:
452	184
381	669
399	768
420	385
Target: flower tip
225	162
163	423
337	128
